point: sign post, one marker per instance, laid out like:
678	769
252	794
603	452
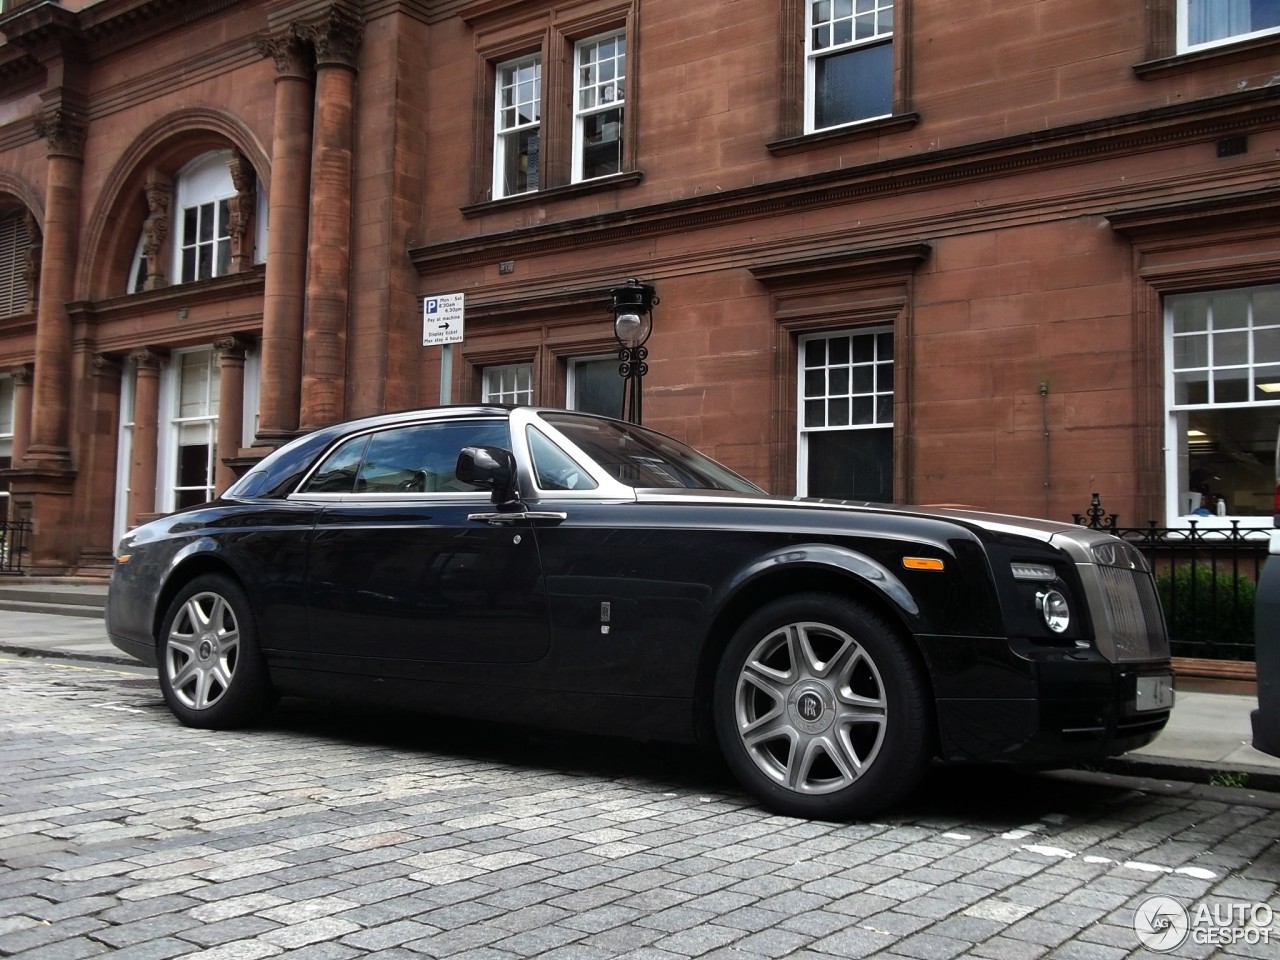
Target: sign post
442	319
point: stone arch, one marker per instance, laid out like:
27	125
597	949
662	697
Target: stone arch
19	197
117	218
15	192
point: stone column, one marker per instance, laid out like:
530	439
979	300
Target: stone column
96	498
286	272
155	230
21	376
51	414
324	356
230	408
146	433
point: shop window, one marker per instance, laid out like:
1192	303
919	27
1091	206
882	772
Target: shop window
508	383
1211	23
845	407
1223	403
194	428
14	296
849	68
518	129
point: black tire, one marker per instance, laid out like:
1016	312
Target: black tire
212	671
821	710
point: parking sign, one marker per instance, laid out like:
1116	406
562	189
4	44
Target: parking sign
442	320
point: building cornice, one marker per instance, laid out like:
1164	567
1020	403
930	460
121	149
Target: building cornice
1090	141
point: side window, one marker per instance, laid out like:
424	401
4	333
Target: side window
848	62
553	468
416	459
1210	23
338	473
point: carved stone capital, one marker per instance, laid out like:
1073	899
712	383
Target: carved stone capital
22	374
149	358
286	48
105	365
231	348
336	37
65	133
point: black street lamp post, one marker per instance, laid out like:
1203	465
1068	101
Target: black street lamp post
633	304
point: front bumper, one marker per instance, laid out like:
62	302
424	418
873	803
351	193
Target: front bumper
1063	708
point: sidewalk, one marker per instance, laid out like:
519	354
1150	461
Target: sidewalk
1209	733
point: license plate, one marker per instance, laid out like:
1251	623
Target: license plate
1154	693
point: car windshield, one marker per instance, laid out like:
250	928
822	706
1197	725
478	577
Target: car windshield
641	458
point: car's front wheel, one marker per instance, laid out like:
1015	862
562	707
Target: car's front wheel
821	710
212	672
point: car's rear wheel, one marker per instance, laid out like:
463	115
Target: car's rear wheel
821	710
212	672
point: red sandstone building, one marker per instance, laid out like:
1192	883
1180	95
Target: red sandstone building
1004	253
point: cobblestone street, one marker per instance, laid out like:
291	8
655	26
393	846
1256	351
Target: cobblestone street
337	833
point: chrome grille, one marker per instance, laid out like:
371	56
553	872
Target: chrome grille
1134	619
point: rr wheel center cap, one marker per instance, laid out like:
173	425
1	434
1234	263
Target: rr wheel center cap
206	649
812	707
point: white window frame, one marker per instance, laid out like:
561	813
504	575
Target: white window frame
7	414
173	423
509	83
805	431
593	96
1259	370
840	15
202	183
166	463
508	383
1187	11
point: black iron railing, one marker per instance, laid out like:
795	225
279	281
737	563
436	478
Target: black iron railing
1206	575
15	544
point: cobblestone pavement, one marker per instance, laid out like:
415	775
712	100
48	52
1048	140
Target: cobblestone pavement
337	833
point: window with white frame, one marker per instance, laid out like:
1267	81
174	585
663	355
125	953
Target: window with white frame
848	62
599	85
594	385
508	383
194	428
1210	23
1222	390
517	150
846	396
14	296
6	440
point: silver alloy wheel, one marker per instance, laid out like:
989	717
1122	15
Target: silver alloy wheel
810	708
201	650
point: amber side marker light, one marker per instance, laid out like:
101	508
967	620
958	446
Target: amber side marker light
922	563
124	558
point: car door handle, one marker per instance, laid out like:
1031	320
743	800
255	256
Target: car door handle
533	516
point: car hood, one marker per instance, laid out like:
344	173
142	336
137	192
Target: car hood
969	517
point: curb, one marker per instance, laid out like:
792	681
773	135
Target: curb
1192	771
19	650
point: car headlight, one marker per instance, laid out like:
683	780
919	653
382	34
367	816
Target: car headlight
1053	607
1118	553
